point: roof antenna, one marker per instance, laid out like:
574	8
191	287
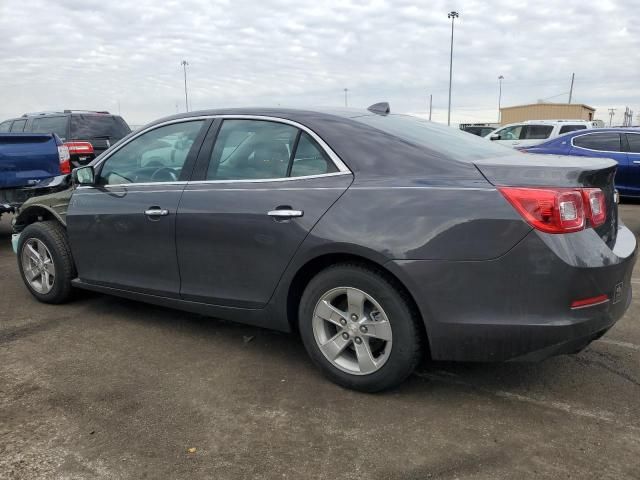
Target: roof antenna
381	108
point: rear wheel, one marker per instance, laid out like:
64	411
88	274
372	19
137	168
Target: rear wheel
45	262
359	328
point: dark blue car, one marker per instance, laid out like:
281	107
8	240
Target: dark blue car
619	144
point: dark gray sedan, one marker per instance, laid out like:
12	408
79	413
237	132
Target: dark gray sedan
381	238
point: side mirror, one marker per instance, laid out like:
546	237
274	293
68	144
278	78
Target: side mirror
83	176
495	136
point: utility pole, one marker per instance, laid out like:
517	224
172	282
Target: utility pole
612	112
346	103
430	105
186	98
573	76
500	78
452	15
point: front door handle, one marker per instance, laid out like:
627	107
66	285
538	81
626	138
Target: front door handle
283	214
156	212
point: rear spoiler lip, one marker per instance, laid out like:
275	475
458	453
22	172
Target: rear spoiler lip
529	170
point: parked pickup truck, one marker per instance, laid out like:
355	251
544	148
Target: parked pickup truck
31	164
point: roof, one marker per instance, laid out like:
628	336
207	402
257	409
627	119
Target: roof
545	104
278	112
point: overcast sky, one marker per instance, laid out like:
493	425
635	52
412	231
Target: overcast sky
111	54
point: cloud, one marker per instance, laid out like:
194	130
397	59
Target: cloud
98	54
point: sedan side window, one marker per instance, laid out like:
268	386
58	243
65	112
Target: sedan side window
537	132
634	142
18	125
251	149
603	142
571	128
310	159
5	126
155	156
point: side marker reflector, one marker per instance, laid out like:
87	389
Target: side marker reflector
589	302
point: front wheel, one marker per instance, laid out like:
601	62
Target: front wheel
360	328
45	262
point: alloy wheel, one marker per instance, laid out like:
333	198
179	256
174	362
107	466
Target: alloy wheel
37	265
352	330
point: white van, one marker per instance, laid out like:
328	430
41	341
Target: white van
533	132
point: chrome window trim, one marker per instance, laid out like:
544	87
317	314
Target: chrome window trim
591	149
338	163
266	180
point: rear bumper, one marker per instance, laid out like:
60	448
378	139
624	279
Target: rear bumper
517	307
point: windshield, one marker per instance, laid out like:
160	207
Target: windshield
448	141
98	126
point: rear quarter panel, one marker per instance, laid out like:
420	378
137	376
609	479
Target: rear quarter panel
422	221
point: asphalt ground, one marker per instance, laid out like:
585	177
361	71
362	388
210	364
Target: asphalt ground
105	388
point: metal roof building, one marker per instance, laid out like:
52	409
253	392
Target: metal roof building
546	111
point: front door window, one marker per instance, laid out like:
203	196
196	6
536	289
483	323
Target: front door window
155	156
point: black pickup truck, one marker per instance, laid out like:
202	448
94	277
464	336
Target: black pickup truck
86	133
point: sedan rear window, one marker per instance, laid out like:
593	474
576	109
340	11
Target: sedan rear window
447	141
89	127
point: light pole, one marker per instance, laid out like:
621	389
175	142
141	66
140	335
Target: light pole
452	15
612	112
500	78
346	90
186	98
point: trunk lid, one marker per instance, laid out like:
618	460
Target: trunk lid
530	170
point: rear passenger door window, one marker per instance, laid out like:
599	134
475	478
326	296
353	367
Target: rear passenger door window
263	150
18	126
251	150
5	126
57	125
536	132
601	142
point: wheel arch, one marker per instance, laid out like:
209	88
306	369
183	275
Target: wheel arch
36	213
313	266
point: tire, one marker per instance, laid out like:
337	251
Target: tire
50	238
377	358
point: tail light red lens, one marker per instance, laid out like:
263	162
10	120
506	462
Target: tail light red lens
558	210
596	204
79	148
65	159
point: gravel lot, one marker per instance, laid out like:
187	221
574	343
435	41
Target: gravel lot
108	388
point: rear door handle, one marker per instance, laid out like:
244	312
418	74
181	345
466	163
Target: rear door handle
637	162
284	214
156	212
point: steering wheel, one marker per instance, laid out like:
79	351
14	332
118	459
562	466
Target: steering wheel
170	175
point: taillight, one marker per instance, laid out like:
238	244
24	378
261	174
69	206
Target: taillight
65	159
79	148
558	210
596	204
